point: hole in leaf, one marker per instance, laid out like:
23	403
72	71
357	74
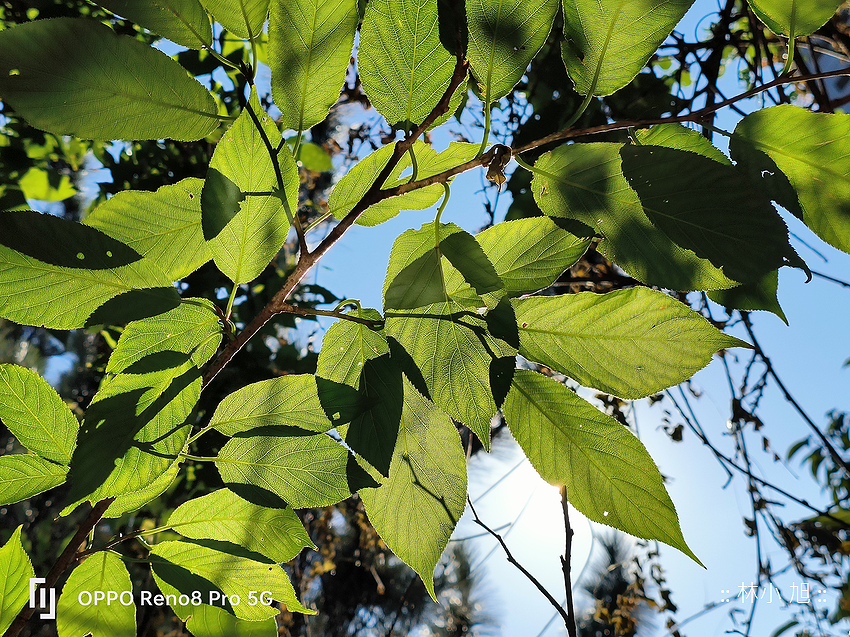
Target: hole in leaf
80	256
14	72
109	253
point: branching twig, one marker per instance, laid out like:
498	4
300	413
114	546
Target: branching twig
522	569
833	453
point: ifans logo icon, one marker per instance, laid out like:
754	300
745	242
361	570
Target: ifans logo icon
43	601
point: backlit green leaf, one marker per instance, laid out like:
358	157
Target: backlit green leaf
36	293
608	473
314	157
794	18
164	226
309	470
715	211
105	572
182	21
372	433
608	42
132	432
247	230
585	182
309	50
404	67
61	242
530	254
243	18
464	364
291	401
815	160
351	188
348	345
25	475
33	411
212	621
760	295
222	515
44	186
681	138
115	87
630	343
192	330
185	567
15	573
418	505
134	500
504	36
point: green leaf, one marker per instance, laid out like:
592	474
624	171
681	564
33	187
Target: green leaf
291	401
417	506
423	262
314	157
114	87
530	254
608	473
36	415
585	182
211	621
463	362
61	242
25	475
348	345
134	305
760	295
309	50
15	573
680	138
36	184
415	272
351	188
132	432
182	21
607	42
164	226
373	432
794	18
504	36
222	515
36	293
404	67
246	231
243	18
191	331
630	343
815	161
711	209
185	567
103	571
127	501
308	470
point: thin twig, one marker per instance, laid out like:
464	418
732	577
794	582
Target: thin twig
521	568
836	457
565	564
696	116
286	308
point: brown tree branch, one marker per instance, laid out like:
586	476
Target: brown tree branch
696	116
66	558
307	260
